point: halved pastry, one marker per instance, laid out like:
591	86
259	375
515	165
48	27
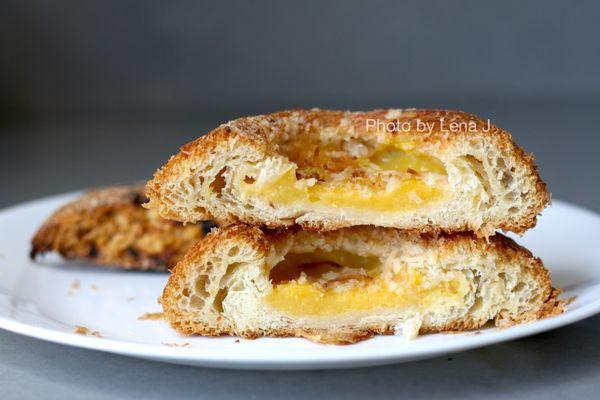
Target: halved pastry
110	227
346	285
421	170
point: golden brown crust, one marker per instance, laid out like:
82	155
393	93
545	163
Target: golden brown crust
260	240
258	135
110	227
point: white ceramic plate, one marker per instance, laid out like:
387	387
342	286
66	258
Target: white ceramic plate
49	299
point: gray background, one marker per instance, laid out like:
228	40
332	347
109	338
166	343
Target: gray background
95	93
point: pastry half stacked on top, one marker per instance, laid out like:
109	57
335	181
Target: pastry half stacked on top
338	228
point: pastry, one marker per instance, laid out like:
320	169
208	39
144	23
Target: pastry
347	285
110	227
417	170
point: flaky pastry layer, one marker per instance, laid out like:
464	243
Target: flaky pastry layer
326	170
352	283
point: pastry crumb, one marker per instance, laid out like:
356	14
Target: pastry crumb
130	298
82	330
569	300
186	344
75	285
151	316
94	287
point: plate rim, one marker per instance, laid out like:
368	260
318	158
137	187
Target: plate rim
347	356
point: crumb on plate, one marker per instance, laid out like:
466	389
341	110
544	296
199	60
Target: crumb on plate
82	330
151	316
186	344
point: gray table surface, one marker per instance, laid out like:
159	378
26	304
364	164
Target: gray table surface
41	159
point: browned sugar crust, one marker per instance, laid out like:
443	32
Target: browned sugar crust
110	227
